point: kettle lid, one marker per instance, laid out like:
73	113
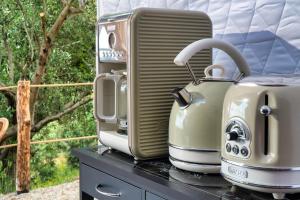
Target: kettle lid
213	75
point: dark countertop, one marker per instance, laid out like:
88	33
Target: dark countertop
167	177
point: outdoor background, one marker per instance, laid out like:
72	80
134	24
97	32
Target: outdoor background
25	28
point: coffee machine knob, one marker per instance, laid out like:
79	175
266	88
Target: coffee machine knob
232	135
265	110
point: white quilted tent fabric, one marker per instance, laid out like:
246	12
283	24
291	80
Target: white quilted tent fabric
265	31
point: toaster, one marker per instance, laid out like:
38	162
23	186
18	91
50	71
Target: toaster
261	134
135	75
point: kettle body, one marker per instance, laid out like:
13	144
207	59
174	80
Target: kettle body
195	120
261	134
194	130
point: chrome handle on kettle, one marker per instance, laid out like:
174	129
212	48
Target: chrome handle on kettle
183	57
193	76
107	194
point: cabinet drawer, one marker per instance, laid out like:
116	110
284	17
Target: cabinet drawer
105	187
150	196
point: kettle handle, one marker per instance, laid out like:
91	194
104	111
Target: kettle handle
183	57
211	67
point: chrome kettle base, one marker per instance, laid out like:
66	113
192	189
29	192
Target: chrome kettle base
200	161
278	181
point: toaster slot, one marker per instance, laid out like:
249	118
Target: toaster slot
266	128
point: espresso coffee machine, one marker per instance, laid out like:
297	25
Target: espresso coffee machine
136	74
261	134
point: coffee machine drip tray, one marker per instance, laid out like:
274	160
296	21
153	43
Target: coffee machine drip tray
115	141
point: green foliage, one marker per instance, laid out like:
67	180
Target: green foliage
52	163
72	60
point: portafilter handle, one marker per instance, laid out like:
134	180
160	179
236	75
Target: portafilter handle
184	56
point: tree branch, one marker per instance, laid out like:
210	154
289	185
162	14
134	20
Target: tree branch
75	11
11	100
11	131
43	19
11	65
8	92
67	109
3	127
25	26
44	54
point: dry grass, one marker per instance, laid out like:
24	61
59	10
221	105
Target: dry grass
67	191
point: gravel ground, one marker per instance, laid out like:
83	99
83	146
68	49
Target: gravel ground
67	191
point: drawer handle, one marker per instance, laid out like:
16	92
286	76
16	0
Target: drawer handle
108	194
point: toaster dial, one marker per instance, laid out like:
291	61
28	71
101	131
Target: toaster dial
237	142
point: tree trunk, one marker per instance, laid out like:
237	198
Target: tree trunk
24	126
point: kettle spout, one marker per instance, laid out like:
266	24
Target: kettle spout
182	97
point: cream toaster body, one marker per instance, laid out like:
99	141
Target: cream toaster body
261	134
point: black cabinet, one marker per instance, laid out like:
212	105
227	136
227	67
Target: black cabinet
150	196
103	186
110	175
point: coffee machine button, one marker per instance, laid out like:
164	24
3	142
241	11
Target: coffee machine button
235	149
228	147
244	151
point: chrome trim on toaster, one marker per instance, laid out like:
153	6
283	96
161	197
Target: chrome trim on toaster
261	186
193	149
259	167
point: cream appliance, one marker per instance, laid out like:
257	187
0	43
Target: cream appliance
261	134
136	73
196	116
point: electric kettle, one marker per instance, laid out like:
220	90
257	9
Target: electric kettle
195	119
261	134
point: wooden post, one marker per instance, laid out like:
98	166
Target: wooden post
24	126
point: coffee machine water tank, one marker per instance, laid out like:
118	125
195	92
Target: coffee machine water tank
122	106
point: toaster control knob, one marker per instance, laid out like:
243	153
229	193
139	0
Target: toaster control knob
232	135
235	149
265	110
244	151
228	147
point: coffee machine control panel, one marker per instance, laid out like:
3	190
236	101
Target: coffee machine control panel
237	138
112	41
111	55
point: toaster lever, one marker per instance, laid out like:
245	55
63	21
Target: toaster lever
265	110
